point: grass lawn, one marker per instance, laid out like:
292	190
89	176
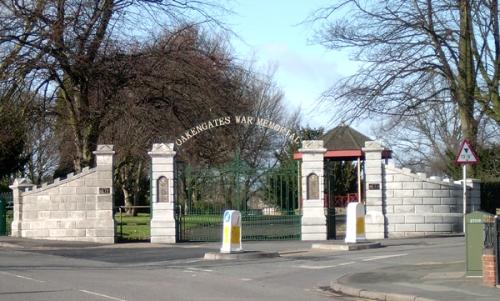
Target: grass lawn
133	227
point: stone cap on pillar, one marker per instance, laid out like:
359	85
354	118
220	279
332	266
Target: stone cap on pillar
312	146
104	154
21	183
162	149
471	180
104	149
373	146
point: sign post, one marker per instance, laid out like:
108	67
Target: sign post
465	156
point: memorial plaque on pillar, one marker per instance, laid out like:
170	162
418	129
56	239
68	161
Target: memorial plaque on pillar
163	190
312	187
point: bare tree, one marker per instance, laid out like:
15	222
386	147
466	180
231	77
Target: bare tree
41	147
56	46
167	85
12	135
413	51
429	140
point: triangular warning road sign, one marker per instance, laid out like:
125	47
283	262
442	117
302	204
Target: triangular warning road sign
467	155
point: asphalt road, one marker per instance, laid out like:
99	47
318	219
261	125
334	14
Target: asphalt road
135	272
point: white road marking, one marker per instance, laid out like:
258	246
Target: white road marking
383	257
246	279
191	261
102	295
23	277
200	270
321	267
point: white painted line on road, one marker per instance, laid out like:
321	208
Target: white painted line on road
102	295
200	270
383	257
192	261
246	279
22	277
321	267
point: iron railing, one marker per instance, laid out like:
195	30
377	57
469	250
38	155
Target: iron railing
203	194
492	240
490	233
256	225
6	213
236	186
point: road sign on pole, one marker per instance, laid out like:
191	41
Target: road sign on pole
465	156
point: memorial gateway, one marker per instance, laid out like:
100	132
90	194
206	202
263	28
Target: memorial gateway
279	203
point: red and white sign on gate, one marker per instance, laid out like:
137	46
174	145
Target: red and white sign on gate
467	155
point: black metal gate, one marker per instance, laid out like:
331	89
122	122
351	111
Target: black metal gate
5	212
268	200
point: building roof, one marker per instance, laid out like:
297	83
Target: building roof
344	143
343	137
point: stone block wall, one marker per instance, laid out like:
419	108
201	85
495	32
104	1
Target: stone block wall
76	208
415	205
400	203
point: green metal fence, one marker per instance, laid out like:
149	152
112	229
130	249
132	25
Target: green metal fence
203	226
268	200
6	212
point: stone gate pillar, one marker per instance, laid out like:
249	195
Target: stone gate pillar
312	170
104	160
374	187
162	195
18	187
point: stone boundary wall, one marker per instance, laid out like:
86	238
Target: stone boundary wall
76	208
415	205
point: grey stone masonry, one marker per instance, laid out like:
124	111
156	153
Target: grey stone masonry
414	204
76	208
313	213
375	227
163	194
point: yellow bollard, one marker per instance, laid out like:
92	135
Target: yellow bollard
355	225
231	235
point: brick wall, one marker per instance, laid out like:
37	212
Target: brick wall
489	268
77	208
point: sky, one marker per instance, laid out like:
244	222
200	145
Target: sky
273	33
